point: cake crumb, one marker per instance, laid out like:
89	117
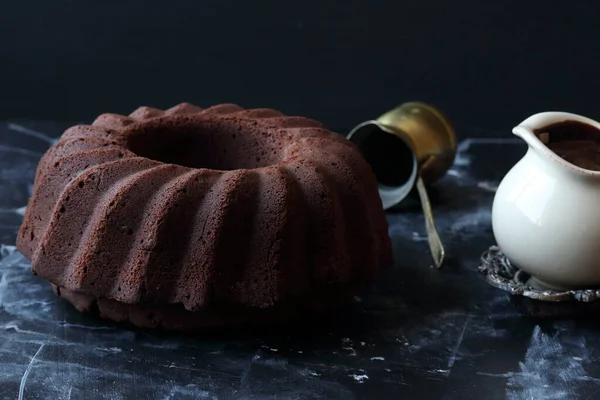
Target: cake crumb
359	378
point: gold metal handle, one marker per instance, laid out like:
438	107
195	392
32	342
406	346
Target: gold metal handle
433	237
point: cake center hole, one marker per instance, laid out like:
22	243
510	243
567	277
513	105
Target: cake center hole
389	156
221	145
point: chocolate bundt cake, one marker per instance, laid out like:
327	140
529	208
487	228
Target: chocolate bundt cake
188	218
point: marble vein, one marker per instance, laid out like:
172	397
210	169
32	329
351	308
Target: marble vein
18	211
456	349
27	371
3	287
17	150
30	132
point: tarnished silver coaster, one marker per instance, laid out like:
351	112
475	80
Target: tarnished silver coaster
501	274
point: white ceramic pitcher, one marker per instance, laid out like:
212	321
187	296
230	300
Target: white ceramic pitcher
546	212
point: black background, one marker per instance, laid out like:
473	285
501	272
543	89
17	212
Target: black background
487	64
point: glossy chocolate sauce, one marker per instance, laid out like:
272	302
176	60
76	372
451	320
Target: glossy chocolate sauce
576	142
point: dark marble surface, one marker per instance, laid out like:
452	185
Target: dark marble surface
418	333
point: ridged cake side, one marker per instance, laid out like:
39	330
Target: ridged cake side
303	228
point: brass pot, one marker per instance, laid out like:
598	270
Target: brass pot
409	146
427	141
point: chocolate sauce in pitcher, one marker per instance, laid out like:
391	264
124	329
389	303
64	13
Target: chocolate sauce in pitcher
576	142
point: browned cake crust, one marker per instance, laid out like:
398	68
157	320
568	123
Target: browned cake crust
188	217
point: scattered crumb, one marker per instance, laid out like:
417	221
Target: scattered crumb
359	378
388	370
351	350
377	358
362	343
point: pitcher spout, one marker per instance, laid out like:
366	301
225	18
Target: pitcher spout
527	135
527	129
569	140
